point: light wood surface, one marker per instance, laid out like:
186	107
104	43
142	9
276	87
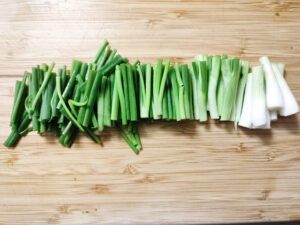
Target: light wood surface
188	172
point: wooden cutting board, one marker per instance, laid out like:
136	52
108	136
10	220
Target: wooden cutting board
188	172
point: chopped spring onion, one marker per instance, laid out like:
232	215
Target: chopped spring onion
290	105
259	109
246	115
110	92
212	87
273	93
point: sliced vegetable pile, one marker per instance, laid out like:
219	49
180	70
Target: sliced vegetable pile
110	92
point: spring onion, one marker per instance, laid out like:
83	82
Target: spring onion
110	92
273	93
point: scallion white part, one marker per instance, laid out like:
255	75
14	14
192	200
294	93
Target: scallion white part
290	105
259	109
246	118
274	97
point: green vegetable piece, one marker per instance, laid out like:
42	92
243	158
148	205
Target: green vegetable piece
121	95
128	141
100	51
186	91
43	86
126	90
131	94
18	104
212	88
241	90
107	103
203	89
230	87
45	112
100	104
181	91
88	87
92	98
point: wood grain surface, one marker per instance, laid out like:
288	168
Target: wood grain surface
188	172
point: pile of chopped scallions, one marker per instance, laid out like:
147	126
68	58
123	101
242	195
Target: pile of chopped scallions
110	92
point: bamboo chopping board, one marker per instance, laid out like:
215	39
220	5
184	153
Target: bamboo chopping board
188	172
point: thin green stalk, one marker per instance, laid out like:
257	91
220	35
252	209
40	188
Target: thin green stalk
100	104
136	83
126	90
73	65
115	99
181	91
148	89
162	85
17	89
107	103
145	90
175	94
17	105
191	95
208	70
142	92
45	112
128	141
131	94
21	106
103	57
195	78
33	89
220	94
64	78
88	87
165	106
169	99
44	84
185	79
121	95
212	88
92	98
100	51
231	88
203	89
157	75
55	100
